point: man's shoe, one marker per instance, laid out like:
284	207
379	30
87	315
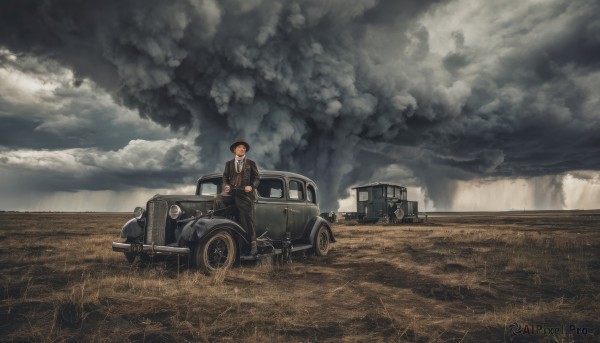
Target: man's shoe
253	249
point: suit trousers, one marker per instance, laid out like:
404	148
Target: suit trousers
245	206
244	203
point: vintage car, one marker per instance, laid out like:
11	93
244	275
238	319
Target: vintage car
286	218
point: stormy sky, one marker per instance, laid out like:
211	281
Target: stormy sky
474	105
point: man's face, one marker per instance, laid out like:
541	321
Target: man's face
240	150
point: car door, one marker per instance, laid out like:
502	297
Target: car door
311	209
363	199
379	205
270	212
297	215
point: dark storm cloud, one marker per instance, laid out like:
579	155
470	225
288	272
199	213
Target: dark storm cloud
43	106
335	89
76	124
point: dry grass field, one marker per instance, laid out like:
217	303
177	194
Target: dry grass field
457	278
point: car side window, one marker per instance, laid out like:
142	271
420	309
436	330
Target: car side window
270	188
311	194
296	191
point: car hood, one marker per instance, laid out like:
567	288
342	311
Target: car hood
177	198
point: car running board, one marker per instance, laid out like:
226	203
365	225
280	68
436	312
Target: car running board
295	248
301	247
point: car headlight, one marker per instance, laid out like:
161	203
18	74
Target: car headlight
138	213
174	211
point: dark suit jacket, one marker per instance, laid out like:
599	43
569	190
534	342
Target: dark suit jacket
250	175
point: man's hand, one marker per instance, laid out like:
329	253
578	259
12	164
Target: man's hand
248	189
227	188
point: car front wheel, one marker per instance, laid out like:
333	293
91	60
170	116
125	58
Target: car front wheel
214	253
322	241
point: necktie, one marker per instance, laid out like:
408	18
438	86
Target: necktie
239	166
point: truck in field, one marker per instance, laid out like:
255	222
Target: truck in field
383	202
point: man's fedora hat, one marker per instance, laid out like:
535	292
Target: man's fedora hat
238	142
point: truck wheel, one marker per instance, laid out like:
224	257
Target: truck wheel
322	241
214	253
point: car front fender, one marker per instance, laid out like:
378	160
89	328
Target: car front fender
318	222
132	229
197	230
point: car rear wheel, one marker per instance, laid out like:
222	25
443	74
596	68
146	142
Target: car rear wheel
217	252
322	241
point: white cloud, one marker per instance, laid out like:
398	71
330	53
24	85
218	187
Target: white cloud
537	193
17	86
138	155
97	201
582	193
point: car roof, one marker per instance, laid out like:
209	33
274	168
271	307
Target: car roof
264	173
374	184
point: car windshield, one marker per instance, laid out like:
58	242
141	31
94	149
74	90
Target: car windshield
210	187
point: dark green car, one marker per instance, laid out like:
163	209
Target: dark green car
286	217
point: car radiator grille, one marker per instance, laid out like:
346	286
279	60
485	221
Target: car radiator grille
155	228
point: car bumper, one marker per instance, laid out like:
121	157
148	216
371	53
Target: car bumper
150	249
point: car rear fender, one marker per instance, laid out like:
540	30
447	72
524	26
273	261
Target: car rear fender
318	222
204	227
132	229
